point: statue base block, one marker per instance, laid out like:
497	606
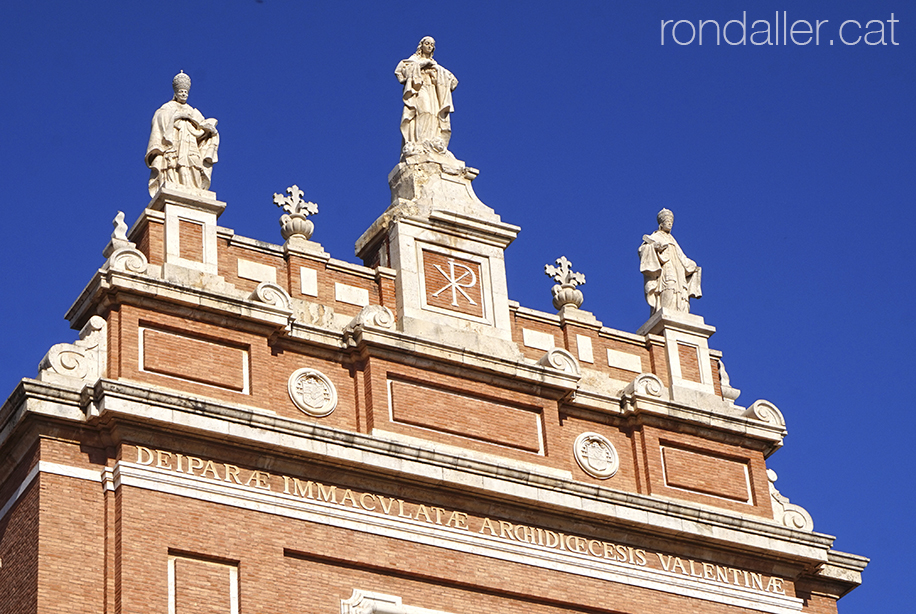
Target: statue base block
686	350
664	319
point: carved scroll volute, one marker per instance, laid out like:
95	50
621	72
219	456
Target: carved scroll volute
561	360
643	385
766	412
373	316
78	363
272	294
786	513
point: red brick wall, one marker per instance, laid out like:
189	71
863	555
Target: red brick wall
19	550
190	240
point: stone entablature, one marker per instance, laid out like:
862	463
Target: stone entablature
164	443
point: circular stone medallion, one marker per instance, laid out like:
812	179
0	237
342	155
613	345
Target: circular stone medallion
312	392
596	455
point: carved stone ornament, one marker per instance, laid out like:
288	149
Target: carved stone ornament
365	602
372	316
764	411
728	393
596	455
295	222
646	384
561	360
785	513
82	361
312	392
122	254
272	294
565	292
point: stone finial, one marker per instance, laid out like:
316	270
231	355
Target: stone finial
122	254
728	393
565	291
295	222
118	236
671	278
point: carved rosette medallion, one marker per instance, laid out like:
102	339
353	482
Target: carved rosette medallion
596	455
312	392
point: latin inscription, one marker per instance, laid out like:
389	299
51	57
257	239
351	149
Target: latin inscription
434	515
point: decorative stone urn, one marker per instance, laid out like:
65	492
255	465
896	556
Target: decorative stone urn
565	291
295	222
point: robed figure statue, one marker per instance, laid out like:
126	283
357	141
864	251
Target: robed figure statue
425	122
182	144
671	278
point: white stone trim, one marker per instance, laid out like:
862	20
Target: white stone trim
324	513
255	271
18	492
53	468
351	295
502	461
538	340
584	346
365	602
351	269
308	281
622	360
233	582
173	214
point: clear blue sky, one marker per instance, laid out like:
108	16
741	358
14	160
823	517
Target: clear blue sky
788	168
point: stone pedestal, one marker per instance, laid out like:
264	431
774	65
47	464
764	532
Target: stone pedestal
686	351
190	227
447	248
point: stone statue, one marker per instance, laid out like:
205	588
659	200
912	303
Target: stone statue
671	277
182	144
428	89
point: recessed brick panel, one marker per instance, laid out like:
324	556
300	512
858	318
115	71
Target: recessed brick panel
707	474
191	240
690	362
465	415
194	359
452	283
202	587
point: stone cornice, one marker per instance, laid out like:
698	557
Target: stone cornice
109	403
514	372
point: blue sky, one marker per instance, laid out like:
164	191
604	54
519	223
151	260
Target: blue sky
789	168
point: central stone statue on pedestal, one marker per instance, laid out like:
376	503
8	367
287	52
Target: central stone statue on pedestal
671	277
425	123
182	144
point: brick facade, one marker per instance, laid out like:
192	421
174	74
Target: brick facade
185	478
